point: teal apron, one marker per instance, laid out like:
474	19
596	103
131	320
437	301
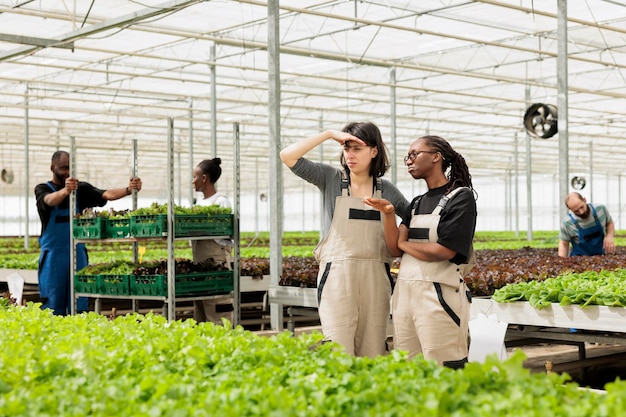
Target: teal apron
55	271
590	240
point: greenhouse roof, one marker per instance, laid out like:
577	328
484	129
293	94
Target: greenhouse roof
108	72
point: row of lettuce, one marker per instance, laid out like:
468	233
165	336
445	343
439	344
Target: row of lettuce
152	221
145	366
604	288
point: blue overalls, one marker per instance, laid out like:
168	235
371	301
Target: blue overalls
54	263
590	239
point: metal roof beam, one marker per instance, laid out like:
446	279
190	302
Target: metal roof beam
30	40
125	20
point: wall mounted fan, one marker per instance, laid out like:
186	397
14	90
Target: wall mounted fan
7	175
540	120
578	183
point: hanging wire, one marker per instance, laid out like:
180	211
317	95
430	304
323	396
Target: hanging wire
606	44
87	14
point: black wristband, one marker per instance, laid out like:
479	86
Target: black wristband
128	191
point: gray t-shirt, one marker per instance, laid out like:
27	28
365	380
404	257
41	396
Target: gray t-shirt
328	179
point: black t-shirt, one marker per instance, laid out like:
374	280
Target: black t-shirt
87	196
457	223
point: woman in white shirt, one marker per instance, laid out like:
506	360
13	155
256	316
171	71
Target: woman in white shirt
205	175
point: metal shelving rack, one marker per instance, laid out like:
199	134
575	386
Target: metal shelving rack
169	307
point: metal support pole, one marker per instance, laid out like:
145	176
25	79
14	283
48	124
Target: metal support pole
320	126
257	196
562	104
516	163
392	125
179	175
191	161
591	172
213	103
529	186
276	182
27	190
236	210
134	174
619	201
507	199
171	263
72	212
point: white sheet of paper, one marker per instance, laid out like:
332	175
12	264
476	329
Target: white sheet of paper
486	337
16	287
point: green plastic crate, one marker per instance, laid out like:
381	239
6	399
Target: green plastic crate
111	284
200	225
116	228
153	285
205	283
86	283
219	282
88	228
185	225
153	225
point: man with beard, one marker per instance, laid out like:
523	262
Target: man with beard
589	228
53	206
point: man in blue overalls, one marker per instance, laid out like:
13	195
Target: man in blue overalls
54	212
589	228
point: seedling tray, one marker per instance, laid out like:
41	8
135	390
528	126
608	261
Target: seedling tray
185	225
117	228
88	228
114	284
204	283
86	284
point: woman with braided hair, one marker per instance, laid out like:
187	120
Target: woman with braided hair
430	305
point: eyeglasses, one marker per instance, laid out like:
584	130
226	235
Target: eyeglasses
412	155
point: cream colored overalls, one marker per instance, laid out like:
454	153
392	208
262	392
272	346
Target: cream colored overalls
205	310
354	281
430	305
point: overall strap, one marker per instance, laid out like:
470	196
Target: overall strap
49	183
574	221
445	199
595	215
345	184
416	204
378	188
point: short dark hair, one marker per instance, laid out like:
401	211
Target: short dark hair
58	154
211	168
369	133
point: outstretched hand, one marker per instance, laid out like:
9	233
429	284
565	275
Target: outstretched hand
380	204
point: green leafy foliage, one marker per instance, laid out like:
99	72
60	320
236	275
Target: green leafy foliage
497	268
156	208
152	267
605	288
143	366
117	267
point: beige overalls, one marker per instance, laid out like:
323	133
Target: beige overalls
354	281
430	305
205	310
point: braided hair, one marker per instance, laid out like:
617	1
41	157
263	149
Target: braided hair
454	166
